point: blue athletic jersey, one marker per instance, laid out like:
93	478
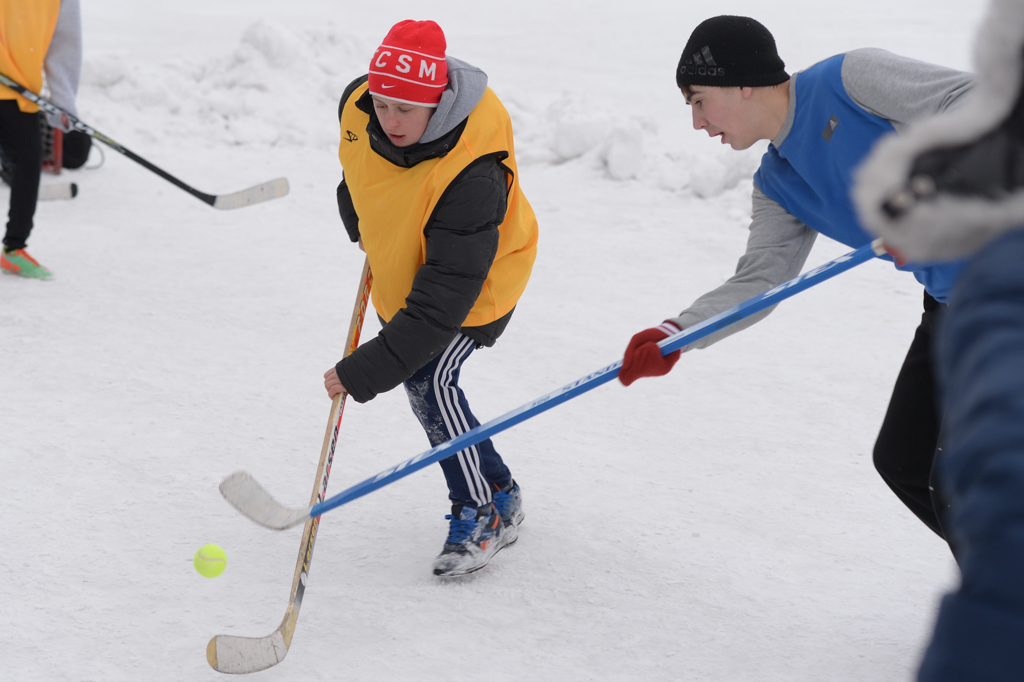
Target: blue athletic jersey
811	173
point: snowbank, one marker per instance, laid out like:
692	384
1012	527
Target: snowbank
277	87
280	87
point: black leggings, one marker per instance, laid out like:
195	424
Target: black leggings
23	151
909	438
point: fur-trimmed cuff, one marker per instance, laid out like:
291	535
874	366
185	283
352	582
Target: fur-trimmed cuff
918	219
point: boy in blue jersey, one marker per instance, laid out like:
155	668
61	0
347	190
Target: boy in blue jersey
821	123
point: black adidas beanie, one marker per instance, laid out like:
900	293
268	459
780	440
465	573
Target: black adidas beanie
729	51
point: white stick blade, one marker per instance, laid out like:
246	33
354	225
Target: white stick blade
241	655
250	498
275	189
57	191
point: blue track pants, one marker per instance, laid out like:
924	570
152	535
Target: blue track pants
441	406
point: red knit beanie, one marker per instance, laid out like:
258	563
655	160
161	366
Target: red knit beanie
410	66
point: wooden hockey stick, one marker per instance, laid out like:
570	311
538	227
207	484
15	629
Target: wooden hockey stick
230	654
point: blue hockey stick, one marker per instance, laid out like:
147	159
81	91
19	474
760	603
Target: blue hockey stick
241	490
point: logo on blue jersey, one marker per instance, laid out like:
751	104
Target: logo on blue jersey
833	122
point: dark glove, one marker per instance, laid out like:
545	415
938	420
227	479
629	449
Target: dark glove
643	357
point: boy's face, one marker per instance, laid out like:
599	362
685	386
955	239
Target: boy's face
403	123
727	113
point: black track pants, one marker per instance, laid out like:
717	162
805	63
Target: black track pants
907	443
23	149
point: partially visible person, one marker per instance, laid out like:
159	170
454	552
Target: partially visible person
35	36
431	193
980	353
952	187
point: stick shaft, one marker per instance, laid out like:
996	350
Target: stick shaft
323	470
51	108
230	654
602	376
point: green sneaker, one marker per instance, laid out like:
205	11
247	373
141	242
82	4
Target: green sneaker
20	263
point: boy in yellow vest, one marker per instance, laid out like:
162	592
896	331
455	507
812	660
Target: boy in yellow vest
33	36
431	193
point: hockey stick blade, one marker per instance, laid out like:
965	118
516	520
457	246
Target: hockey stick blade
572	390
241	655
250	498
230	654
48	192
275	189
58	191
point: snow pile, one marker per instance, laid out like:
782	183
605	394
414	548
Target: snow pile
280	87
622	146
706	174
574	127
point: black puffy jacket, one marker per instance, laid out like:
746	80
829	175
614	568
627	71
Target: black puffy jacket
462	240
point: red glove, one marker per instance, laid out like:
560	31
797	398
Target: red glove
643	357
896	255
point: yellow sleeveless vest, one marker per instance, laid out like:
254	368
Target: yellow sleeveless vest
395	203
26	29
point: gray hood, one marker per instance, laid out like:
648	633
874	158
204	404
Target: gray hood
466	87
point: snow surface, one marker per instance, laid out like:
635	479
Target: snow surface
722	523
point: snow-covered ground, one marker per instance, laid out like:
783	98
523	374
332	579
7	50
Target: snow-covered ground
722	523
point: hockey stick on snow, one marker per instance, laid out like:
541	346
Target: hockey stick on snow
49	192
229	654
250	498
57	191
266	191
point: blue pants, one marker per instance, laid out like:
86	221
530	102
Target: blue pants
441	406
980	354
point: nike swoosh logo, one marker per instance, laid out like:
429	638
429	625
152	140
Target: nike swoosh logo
385	87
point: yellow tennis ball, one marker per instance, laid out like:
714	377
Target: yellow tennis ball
210	561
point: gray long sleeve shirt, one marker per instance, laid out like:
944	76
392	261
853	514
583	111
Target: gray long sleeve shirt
895	88
63	63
